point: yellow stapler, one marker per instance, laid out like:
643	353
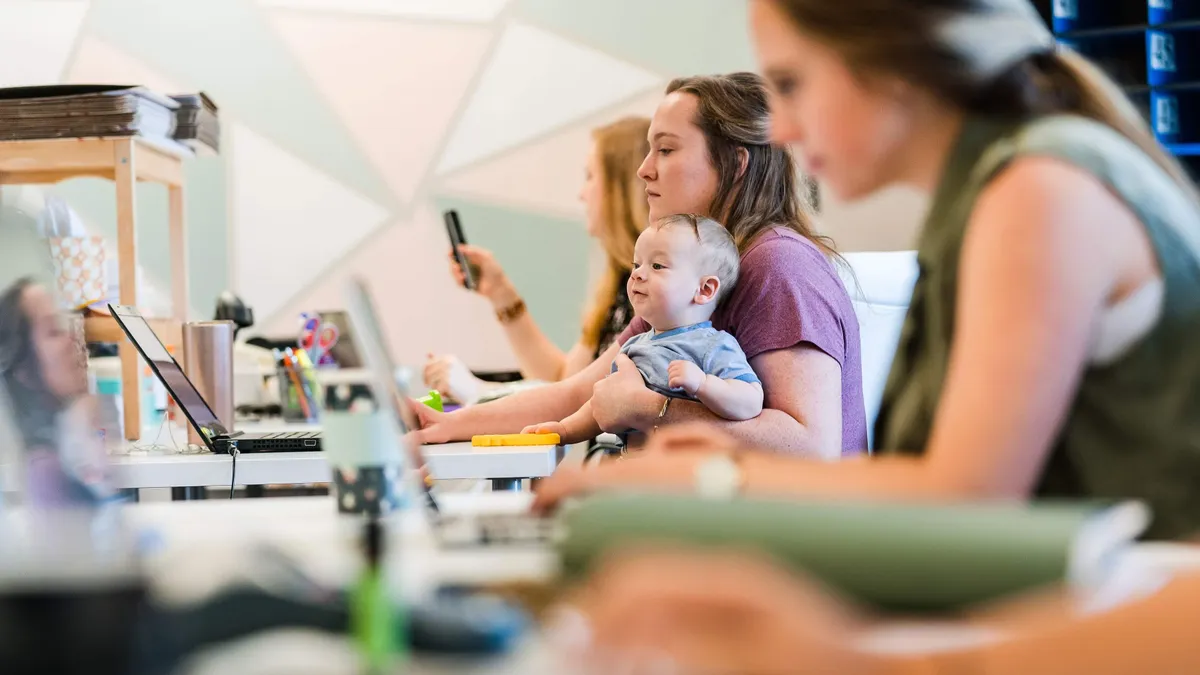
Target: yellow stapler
515	440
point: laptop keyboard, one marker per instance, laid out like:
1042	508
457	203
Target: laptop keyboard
288	435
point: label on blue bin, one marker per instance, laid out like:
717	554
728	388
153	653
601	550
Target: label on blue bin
1161	4
1166	116
1162	52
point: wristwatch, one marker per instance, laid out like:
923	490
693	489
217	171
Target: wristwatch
720	477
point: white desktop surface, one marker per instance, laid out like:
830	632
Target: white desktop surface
324	541
201	545
450	461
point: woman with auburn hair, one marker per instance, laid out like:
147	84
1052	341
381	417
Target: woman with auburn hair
615	206
711	155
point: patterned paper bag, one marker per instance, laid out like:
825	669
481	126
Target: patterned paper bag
79	264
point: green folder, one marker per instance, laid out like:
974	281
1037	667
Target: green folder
903	557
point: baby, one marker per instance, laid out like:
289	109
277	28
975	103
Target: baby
682	267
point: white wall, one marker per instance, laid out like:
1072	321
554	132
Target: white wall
887	221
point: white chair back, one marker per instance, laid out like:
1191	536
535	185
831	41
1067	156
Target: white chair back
881	287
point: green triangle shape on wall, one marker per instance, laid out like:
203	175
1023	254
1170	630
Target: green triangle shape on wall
227	49
545	257
674	37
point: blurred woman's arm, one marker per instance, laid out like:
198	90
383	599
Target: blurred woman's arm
729	612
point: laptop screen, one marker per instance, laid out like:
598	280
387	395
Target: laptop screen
368	335
168	370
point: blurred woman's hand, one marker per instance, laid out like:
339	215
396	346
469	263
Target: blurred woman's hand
451	377
490	280
701	612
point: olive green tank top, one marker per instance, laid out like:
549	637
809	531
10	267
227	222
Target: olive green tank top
1133	430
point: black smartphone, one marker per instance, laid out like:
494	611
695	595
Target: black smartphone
455	232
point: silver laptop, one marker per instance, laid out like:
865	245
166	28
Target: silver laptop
451	531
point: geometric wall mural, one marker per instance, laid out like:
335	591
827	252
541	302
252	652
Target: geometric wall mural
535	82
229	49
351	124
480	11
36	38
291	219
554	163
673	37
553	281
422	309
98	61
398	115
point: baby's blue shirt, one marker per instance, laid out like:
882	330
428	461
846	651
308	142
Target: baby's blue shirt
715	351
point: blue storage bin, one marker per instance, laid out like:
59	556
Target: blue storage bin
1071	15
1175	119
1172	55
1166	11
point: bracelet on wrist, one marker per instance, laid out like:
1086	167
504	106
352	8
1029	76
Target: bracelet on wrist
512	312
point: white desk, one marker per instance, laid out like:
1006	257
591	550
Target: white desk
199	546
205	544
505	467
452	461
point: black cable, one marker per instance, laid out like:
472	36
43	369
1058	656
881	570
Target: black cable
233	452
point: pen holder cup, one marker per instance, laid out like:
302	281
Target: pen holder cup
294	403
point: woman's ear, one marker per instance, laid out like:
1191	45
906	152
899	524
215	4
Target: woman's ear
709	287
743	161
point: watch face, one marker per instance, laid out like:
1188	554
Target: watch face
718	477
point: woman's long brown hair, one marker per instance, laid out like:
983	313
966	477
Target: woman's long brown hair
620	148
732	113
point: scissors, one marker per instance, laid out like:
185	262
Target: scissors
317	338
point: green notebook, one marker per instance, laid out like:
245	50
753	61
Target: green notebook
905	557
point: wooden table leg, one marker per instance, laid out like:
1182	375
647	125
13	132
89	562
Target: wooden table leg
179	261
125	178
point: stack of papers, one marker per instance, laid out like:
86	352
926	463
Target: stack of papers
82	111
196	123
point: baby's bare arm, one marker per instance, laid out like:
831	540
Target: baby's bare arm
732	399
580	426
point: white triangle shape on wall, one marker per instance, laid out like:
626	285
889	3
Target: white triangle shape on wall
36	37
97	62
554	164
400	113
476	11
535	83
409	255
290	221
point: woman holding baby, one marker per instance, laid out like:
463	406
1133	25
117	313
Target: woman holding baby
710	154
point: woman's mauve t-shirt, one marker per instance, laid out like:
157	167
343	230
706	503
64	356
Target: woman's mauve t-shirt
789	293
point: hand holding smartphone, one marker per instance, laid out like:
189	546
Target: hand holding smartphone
455	232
